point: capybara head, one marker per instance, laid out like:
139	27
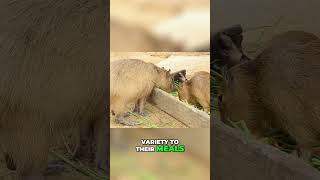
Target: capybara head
233	91
179	76
227	46
165	80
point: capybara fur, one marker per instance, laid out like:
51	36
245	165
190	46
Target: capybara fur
196	90
53	74
132	81
278	89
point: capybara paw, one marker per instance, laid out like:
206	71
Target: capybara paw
144	114
136	110
55	167
126	114
128	122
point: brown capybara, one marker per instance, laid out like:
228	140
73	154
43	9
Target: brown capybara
130	38
277	89
196	90
53	75
132	81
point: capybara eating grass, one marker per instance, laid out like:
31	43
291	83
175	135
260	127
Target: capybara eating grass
53	76
132	81
196	90
277	89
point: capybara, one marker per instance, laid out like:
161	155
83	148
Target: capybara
132	81
131	38
53	75
196	90
277	89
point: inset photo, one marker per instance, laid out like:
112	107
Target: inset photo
160	90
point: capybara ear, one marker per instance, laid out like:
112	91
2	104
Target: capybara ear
230	54
183	72
182	77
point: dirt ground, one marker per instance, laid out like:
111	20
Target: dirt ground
155	117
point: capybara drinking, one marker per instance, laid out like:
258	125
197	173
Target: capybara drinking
132	81
279	88
196	90
53	74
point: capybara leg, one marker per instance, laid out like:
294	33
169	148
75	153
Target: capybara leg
139	107
142	104
205	105
101	134
136	106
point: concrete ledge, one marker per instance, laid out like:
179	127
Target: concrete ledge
238	158
183	112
